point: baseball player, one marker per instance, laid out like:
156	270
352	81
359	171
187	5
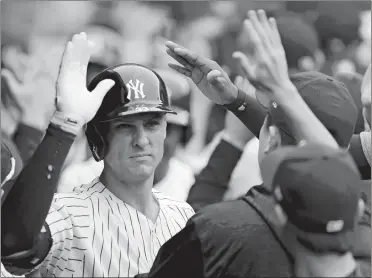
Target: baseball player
115	225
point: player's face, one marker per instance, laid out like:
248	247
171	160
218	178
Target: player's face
136	145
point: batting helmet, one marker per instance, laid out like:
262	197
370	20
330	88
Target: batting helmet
137	89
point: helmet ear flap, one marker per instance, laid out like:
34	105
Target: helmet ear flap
97	143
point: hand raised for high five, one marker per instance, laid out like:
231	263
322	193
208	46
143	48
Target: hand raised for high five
210	78
73	98
265	66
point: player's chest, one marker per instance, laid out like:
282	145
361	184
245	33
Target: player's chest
120	223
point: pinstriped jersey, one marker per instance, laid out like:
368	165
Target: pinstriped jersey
95	234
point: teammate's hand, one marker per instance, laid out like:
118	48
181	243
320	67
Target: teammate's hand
243	84
212	81
266	65
73	98
35	92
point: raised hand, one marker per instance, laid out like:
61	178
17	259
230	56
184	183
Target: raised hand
265	66
73	98
34	90
210	78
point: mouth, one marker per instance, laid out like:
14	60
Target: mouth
141	155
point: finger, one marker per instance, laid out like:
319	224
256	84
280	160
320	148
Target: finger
253	37
66	56
102	88
86	48
86	58
257	30
179	59
205	65
14	85
180	69
244	64
274	31
75	53
172	45
239	81
265	25
217	80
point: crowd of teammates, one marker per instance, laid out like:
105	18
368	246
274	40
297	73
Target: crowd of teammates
293	158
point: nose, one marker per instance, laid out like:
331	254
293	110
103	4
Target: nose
140	137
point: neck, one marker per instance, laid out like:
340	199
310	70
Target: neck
309	264
136	194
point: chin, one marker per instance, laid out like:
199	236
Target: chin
142	171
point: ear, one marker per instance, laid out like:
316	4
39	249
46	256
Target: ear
361	208
282	217
274	139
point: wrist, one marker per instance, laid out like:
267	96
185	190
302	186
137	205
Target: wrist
69	122
287	95
239	102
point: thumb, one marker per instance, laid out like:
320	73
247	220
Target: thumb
102	88
239	81
14	85
216	80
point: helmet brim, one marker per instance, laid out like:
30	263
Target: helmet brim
141	109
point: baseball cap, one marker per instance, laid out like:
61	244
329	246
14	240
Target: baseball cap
327	98
319	189
353	82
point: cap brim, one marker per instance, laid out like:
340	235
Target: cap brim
340	242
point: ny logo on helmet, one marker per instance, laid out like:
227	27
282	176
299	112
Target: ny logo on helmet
137	89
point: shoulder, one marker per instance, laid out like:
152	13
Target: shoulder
229	219
77	202
165	200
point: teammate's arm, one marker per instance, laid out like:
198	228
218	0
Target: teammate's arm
215	84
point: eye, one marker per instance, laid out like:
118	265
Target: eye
152	124
122	125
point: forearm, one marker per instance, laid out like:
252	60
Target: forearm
28	203
27	138
303	123
211	184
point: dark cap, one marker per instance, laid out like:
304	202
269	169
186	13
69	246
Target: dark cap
319	190
353	82
327	98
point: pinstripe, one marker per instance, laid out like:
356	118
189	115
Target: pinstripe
92	229
143	240
125	227
166	222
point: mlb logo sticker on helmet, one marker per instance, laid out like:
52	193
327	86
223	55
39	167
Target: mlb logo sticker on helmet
137	89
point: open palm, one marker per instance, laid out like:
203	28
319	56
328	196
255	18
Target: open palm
210	78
